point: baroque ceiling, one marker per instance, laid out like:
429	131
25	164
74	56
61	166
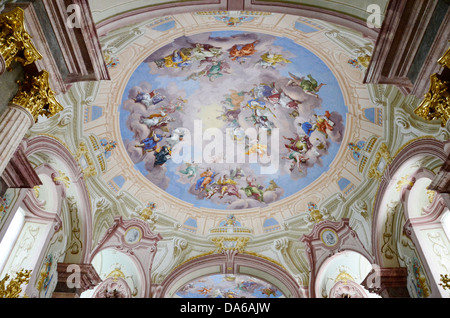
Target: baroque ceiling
258	119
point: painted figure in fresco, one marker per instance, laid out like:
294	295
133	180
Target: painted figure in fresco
297	159
255	147
150	143
206	178
237	173
262	91
191	170
217	69
239	52
172	107
300	144
178	59
175	137
212	190
356	149
280	99
261	122
309	86
272	186
205	53
149	99
162	154
259	108
155	121
271	60
269	291
307	127
228	187
254	190
213	71
323	123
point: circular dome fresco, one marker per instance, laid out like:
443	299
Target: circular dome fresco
232	119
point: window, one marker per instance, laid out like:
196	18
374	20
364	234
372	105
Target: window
11	235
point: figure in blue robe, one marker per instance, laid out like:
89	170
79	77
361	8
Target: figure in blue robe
307	128
149	144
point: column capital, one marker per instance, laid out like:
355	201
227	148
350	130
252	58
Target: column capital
15	41
36	96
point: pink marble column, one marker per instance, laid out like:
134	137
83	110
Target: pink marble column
14	124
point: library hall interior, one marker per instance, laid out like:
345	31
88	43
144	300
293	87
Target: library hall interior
315	162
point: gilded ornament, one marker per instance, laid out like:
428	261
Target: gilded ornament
445	281
445	59
14	287
431	194
86	162
15	42
63	178
382	159
36	96
436	104
147	212
230	243
405	181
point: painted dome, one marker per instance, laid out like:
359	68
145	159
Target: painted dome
232	119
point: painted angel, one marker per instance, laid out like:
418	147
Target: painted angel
228	187
323	123
191	170
239	52
156	121
309	86
281	99
271	60
149	99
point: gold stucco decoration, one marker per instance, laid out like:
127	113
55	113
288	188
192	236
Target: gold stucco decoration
230	243
14	287
436	105
36	96
382	159
15	42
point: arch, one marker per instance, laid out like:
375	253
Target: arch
415	150
55	149
229	262
346	267
314	12
397	190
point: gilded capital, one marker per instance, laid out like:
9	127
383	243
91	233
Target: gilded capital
436	104
15	42
36	96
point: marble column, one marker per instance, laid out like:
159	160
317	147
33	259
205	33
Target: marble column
33	99
14	123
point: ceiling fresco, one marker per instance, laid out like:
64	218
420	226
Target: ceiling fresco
228	286
232	119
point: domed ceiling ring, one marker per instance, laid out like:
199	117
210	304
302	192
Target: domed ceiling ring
252	79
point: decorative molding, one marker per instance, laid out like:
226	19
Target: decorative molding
327	239
134	238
